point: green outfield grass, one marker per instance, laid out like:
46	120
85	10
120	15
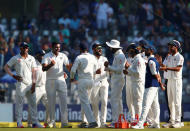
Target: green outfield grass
11	126
98	129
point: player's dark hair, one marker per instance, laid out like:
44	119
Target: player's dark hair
54	43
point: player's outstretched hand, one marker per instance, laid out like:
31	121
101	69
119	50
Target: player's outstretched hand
18	78
127	65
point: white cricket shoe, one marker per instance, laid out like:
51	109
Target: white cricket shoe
182	124
167	125
138	126
154	126
177	125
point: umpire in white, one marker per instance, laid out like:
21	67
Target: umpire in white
117	79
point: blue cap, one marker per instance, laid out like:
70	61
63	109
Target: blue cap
151	47
83	46
24	44
40	52
142	43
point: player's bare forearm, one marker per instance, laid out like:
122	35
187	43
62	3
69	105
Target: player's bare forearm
7	69
46	67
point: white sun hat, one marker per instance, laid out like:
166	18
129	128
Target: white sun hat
113	44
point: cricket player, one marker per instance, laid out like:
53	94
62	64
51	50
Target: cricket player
100	88
129	94
53	63
40	87
152	82
24	64
137	72
174	66
85	65
117	79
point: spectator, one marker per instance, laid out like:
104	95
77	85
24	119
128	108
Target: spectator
102	14
64	34
83	8
64	20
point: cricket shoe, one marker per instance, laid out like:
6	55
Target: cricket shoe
82	125
154	126
52	125
92	125
19	125
37	125
177	125
182	124
111	125
138	126
66	125
167	125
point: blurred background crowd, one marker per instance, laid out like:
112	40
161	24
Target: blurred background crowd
73	21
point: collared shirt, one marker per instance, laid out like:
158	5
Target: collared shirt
118	63
86	66
23	67
40	75
55	71
104	74
152	66
174	61
137	69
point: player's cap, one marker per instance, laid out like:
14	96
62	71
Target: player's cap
142	43
24	44
40	52
176	44
113	44
83	46
151	47
134	46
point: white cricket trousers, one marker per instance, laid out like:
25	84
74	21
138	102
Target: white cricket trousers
84	92
21	91
117	84
151	102
138	93
41	96
100	94
58	86
174	90
129	98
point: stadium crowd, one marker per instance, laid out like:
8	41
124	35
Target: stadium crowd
158	22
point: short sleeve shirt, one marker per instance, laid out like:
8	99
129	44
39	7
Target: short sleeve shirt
174	61
55	71
23	67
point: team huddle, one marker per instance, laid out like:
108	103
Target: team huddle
41	77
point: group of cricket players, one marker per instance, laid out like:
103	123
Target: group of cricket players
42	78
